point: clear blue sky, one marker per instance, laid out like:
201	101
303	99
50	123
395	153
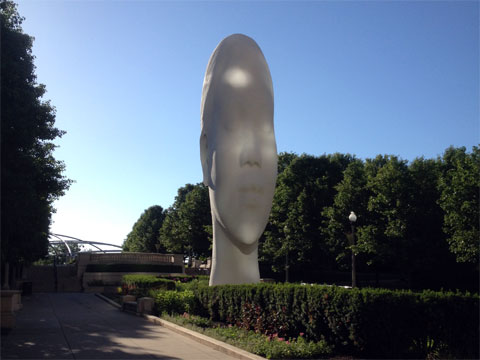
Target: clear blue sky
364	78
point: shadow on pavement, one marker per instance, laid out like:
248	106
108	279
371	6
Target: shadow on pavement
81	326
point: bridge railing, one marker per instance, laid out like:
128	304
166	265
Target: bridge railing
132	258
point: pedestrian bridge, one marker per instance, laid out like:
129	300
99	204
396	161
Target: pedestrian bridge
100	263
98	247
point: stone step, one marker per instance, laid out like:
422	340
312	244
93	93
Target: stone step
130	306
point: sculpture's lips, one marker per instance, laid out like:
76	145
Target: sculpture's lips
251	196
252	189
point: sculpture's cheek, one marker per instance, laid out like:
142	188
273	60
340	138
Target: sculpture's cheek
242	199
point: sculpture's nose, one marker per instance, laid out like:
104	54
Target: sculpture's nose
250	154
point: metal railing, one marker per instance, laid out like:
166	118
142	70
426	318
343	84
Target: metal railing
132	258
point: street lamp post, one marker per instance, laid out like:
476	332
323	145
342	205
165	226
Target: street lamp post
353	218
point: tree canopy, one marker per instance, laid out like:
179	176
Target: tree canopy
31	178
459	186
418	219
145	231
188	223
304	187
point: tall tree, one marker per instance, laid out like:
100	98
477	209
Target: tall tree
31	178
382	235
459	186
430	262
284	159
303	189
399	226
145	231
188	222
59	254
377	190
197	219
352	195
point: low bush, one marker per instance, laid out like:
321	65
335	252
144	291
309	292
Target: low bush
173	302
140	285
192	285
267	346
365	322
299	348
195	320
184	278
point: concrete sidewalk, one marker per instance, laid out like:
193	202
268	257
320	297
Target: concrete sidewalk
82	326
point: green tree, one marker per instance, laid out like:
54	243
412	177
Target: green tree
377	190
459	186
188	224
59	254
352	195
284	159
145	232
430	263
382	236
31	178
399	222
197	221
303	189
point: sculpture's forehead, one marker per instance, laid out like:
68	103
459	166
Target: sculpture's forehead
237	82
238	61
238	49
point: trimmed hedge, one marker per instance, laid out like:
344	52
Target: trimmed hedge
185	278
140	285
375	323
133	268
173	302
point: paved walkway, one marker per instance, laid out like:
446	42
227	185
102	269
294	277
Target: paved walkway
82	326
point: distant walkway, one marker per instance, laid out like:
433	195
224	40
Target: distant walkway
81	326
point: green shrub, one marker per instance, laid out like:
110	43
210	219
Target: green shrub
173	302
185	278
140	285
366	322
148	280
134	268
280	348
267	346
192	285
197	321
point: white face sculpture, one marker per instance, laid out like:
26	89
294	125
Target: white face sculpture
237	144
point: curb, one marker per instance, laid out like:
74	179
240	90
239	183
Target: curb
111	302
203	339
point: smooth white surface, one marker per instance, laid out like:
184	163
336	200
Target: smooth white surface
352	217
239	156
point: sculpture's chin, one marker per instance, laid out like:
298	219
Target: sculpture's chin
248	234
243	218
245	230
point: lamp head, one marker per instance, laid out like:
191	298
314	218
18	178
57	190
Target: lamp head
352	217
